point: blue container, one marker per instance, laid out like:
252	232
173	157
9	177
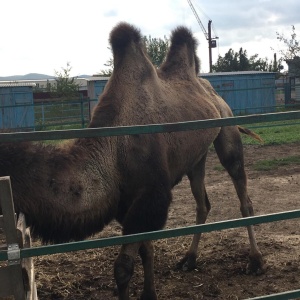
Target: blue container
95	86
249	92
16	106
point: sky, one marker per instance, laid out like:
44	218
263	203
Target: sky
43	36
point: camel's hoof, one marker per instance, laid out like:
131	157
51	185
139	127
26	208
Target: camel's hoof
256	265
188	263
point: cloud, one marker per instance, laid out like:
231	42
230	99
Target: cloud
41	36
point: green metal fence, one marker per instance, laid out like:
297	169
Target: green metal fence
148	129
59	114
70	114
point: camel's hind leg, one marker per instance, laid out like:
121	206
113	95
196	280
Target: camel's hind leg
229	148
196	177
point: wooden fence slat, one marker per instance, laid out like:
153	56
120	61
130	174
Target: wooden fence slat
12	272
8	211
5	283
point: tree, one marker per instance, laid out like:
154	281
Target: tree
157	49
239	61
227	63
65	85
293	47
291	53
110	65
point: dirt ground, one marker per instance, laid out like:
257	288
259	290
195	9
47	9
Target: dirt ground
220	272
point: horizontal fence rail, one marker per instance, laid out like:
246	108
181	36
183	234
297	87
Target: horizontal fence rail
154	235
280	296
146	129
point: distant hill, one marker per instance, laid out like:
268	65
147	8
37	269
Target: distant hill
33	76
30	76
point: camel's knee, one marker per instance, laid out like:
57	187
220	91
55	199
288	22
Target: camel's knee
247	211
146	251
203	209
123	270
246	208
207	204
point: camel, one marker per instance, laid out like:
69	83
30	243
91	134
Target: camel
71	190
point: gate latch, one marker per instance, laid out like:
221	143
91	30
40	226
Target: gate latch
13	254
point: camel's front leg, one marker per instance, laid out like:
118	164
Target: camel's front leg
147	254
124	267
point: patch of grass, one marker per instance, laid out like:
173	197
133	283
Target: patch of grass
219	168
269	164
274	133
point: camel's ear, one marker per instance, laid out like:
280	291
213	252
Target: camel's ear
182	58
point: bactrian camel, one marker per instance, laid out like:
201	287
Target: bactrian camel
72	190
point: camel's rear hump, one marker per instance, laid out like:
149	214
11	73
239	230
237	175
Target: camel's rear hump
182	60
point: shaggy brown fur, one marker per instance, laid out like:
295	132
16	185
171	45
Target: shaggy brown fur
72	190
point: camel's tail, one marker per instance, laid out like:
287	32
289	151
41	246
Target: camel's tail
250	133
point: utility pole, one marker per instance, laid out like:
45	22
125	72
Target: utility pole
212	43
209	46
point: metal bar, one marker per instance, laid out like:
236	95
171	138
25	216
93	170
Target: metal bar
218	90
280	296
143	129
154	235
13	254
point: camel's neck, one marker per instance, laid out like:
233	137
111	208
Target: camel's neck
64	191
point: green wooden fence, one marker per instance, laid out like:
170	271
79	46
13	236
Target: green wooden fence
161	234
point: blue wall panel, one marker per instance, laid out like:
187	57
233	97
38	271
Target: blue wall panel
245	92
16	107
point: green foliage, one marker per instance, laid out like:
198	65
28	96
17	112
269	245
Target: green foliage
291	51
292	45
110	65
65	85
239	61
156	49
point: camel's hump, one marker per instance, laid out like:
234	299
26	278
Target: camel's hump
122	34
182	35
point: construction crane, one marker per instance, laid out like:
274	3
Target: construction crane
212	43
